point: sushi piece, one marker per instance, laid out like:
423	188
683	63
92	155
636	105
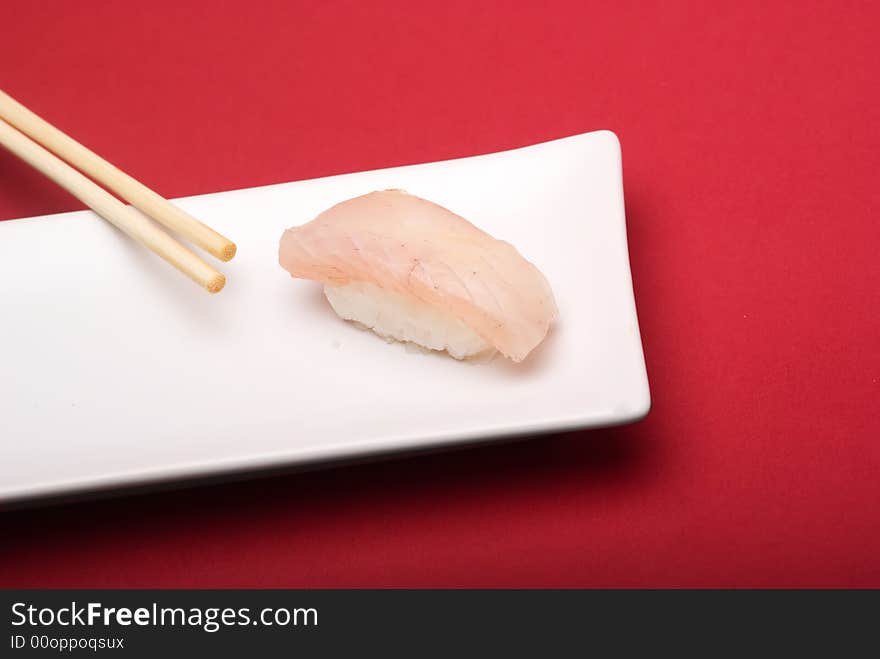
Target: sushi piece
411	270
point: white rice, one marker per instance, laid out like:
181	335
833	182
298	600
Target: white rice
403	318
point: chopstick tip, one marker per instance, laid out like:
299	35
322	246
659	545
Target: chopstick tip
216	283
228	251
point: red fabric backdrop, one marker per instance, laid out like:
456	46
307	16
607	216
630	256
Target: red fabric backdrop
750	134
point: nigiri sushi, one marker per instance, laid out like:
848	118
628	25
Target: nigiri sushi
413	271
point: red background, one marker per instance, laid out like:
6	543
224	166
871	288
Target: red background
750	145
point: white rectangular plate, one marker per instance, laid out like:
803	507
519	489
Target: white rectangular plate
115	370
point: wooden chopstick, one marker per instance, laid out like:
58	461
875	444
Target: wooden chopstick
130	189
109	207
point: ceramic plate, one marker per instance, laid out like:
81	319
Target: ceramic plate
117	371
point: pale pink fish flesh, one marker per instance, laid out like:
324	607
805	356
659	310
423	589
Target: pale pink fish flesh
402	243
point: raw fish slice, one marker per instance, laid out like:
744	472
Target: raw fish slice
414	248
